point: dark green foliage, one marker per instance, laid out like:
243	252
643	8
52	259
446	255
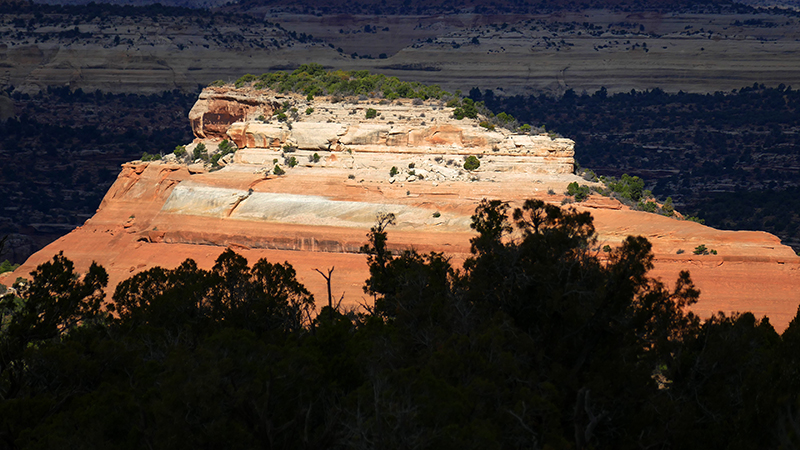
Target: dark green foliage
586	174
668	209
180	151
560	325
262	299
278	170
703	250
536	341
200	152
223	148
226	147
467	108
471	163
647	206
627	187
312	80
695	219
6	266
194	358
291	161
148	157
733	362
56	303
371	113
248	78
580	193
505	118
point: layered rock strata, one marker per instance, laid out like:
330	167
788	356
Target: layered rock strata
318	213
397	128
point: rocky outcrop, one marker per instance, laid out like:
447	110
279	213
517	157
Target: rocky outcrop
398	127
350	169
218	108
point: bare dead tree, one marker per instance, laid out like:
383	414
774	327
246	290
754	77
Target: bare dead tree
330	296
584	414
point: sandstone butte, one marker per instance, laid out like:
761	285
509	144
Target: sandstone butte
317	215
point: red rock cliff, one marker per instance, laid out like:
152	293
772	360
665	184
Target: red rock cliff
317	214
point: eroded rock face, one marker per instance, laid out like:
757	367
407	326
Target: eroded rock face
158	214
218	108
400	127
348	169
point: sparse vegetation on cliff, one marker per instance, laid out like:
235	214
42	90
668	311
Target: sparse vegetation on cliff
630	191
150	157
723	156
224	148
580	193
200	152
703	250
180	151
472	163
6	266
312	79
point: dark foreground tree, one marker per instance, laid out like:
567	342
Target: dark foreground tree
586	339
539	340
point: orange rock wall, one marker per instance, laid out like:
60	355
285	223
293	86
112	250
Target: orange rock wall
133	231
318	214
218	108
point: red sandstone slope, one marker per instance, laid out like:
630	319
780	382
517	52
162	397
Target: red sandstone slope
318	213
131	233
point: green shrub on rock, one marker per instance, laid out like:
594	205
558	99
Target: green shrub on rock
580	193
6	266
467	109
471	163
200	152
148	157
